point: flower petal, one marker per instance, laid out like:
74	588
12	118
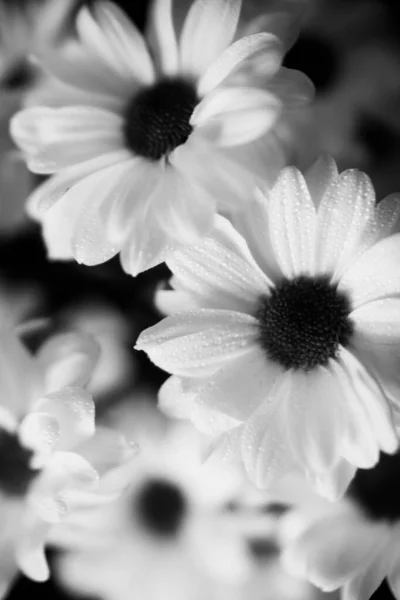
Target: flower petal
235	116
343	214
68	359
113	38
366	404
316	419
30	551
239	387
334	548
365	583
375	275
198	342
319	177
73	410
39	432
58	138
379	320
162	38
213	20
264	443
292	224
52	190
232	58
220	271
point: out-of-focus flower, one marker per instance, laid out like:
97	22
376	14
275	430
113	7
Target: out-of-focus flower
172	534
354	543
115	369
287	352
30	27
47	433
133	132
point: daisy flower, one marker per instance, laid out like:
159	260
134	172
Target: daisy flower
170	534
47	434
147	139
355	543
287	352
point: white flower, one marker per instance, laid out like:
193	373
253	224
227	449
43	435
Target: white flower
289	352
171	534
354	543
47	435
145	152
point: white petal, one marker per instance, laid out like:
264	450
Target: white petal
68	359
334	483
343	214
30	551
379	319
114	38
364	584
198	342
368	403
292	224
148	245
218	274
293	88
52	190
264	444
58	138
382	223
101	191
331	551
316	419
73	410
391	565
232	58
239	387
319	177
162	37
211	20
236	116
39	432
188	214
375	275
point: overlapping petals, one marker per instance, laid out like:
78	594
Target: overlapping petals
330	419
104	198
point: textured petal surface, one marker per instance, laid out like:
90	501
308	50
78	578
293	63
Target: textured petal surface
213	20
220	271
198	342
343	214
292	224
73	410
376	274
319	177
380	320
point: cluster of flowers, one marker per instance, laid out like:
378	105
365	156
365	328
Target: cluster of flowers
283	329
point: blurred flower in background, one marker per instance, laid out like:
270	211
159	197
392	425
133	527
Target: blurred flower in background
180	531
47	428
25	28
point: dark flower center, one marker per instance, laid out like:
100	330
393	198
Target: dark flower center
158	118
15	471
303	322
377	491
161	507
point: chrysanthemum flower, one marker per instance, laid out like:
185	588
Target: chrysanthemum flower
290	348
47	433
171	533
152	139
354	543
